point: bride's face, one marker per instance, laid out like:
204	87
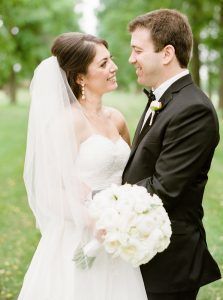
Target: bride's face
101	75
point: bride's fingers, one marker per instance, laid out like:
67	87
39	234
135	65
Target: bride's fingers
100	234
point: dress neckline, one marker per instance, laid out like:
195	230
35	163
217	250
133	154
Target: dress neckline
104	137
113	142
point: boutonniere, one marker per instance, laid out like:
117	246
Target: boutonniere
154	106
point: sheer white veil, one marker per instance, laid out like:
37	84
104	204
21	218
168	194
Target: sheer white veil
55	193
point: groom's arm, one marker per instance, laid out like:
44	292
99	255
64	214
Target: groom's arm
188	146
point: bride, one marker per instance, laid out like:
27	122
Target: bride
75	146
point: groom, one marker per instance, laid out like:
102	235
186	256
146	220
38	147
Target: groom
172	152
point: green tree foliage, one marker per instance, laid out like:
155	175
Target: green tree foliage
27	30
220	38
114	17
203	15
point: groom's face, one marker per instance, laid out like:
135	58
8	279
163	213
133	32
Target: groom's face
147	62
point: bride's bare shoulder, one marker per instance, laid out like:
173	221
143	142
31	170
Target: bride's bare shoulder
119	121
115	115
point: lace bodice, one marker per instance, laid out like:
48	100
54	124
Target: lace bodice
101	161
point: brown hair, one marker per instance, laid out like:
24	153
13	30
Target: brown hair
74	52
167	27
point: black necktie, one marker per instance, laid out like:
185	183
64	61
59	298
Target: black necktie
150	95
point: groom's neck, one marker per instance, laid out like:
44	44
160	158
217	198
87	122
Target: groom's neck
168	72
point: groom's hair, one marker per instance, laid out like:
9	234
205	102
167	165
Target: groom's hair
167	27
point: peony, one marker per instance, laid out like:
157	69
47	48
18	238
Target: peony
135	223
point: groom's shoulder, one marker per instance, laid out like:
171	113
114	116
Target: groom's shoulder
193	96
189	103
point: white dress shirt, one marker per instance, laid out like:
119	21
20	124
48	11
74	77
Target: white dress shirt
158	92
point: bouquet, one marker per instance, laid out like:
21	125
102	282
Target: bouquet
135	226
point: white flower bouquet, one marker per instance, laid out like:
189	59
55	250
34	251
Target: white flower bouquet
135	225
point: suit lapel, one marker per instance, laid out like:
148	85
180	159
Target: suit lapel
147	126
139	126
165	99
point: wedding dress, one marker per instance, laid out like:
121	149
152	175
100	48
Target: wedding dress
100	163
55	169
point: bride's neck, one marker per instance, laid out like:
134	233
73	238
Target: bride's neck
92	105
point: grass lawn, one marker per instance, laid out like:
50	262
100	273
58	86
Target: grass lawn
18	236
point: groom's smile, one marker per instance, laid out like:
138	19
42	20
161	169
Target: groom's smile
144	57
139	72
138	69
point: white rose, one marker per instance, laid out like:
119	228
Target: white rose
129	249
166	229
108	220
163	244
156	200
112	242
141	205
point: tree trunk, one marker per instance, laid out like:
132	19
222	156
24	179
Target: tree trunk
12	88
210	88
195	62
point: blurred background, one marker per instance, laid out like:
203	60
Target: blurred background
27	29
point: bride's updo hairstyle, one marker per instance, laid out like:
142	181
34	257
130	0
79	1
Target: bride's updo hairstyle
75	51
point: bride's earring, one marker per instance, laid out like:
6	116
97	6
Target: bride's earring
83	97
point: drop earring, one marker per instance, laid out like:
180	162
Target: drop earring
83	97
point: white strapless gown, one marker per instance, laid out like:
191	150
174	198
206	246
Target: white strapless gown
52	274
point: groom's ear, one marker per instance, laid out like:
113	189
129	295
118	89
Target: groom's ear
168	54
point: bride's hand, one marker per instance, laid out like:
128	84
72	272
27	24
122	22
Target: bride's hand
100	235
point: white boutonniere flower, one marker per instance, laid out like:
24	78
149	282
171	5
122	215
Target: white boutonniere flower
154	106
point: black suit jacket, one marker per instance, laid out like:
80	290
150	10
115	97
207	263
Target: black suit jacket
172	158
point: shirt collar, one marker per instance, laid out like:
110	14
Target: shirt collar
158	92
